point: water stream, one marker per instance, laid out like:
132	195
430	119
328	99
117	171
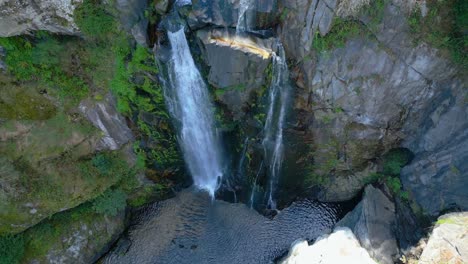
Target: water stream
243	22
188	101
273	130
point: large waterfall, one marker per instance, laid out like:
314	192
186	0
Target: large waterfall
188	100
273	135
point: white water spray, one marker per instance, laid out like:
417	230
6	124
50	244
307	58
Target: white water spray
188	102
273	138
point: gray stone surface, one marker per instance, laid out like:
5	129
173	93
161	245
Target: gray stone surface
20	17
105	117
132	17
302	19
373	222
448	242
438	176
236	65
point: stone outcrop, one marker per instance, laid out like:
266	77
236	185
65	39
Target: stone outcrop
448	242
373	223
104	116
20	17
341	246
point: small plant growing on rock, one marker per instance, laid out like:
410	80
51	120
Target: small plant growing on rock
110	202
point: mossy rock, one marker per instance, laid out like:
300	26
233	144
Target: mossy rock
23	102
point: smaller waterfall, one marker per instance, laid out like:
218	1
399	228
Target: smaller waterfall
243	23
273	138
254	187
188	102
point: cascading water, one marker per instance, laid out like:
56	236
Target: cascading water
273	130
188	101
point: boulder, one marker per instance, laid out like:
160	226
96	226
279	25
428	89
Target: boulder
448	242
237	66
373	222
341	246
20	17
104	116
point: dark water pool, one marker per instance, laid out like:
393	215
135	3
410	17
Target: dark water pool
193	228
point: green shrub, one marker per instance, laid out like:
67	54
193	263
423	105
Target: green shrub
110	202
11	249
444	27
394	160
341	31
94	20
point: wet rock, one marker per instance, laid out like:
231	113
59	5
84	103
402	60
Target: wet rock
373	222
261	14
448	242
20	17
105	117
341	246
237	66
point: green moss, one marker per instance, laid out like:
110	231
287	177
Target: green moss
148	194
23	102
94	20
444	27
110	202
340	32
394	160
375	13
11	249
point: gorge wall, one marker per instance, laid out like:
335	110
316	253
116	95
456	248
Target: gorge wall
379	99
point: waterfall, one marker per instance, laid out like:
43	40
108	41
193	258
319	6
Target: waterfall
273	130
242	20
188	102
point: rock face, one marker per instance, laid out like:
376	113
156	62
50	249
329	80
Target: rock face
355	102
448	242
237	65
20	17
225	13
438	176
373	223
105	117
301	21
132	18
341	246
